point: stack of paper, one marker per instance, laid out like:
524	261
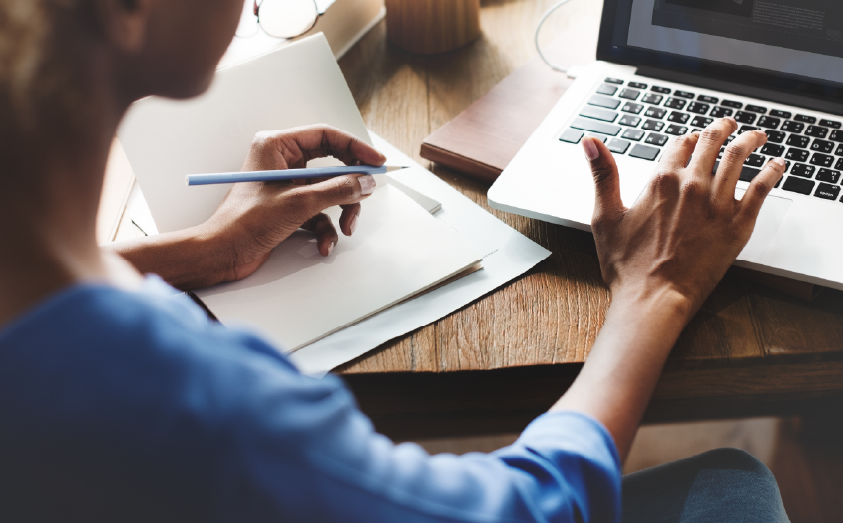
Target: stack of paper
298	297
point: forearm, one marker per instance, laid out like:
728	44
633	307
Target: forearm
621	371
187	259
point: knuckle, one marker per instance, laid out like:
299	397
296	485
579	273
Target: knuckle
683	141
347	187
712	135
692	189
665	181
736	151
601	173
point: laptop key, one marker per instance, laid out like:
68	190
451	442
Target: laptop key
793	127
633	108
677	117
653	125
660	90
839	151
732	104
598	113
633	134
803	170
805	119
771	149
608	90
755	109
637	85
827	192
768	122
684	94
780	114
839	164
822	146
656	139
796	140
655	112
816	132
675	103
745	128
823	160
836	136
797	155
601	137
721	112
827	175
744	117
618	146
754	160
644	152
571	136
611	80
830	124
702	121
698	108
594	126
630	121
654	99
707	99
775	136
676	130
602	101
799	185
630	94
747	173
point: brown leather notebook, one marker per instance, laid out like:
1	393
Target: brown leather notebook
484	138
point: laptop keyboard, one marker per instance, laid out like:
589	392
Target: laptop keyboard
637	119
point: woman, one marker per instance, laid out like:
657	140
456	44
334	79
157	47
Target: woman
120	402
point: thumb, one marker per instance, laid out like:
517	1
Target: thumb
607	190
341	190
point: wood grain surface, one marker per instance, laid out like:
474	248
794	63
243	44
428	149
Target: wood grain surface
502	359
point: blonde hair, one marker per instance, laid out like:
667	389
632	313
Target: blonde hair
26	74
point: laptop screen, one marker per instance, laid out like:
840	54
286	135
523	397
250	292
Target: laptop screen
786	44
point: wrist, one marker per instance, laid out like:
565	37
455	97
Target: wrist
655	304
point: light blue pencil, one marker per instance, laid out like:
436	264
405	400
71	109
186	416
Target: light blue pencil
287	174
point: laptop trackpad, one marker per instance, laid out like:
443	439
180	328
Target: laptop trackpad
769	220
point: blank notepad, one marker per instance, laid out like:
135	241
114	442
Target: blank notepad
298	297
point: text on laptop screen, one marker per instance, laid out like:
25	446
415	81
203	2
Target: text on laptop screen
797	38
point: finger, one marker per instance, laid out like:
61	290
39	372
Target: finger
736	153
677	154
326	233
759	188
320	141
709	143
604	171
348	218
341	190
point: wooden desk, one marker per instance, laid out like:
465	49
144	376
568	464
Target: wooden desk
499	362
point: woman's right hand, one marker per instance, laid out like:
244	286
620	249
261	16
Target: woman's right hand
686	228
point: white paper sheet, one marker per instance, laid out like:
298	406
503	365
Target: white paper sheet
297	296
506	254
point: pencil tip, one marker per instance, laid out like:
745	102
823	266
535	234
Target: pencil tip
393	168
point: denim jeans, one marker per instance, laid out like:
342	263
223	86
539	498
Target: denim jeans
720	486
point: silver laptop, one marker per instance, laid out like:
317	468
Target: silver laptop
668	67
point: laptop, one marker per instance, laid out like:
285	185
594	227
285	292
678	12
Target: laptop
669	67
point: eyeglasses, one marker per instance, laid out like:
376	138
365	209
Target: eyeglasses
280	18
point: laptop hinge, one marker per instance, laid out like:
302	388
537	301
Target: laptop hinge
773	95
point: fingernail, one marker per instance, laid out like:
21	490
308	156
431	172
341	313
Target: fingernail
591	152
330	248
778	161
729	118
353	225
367	184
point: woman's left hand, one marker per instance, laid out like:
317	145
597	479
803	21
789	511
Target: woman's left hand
255	217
